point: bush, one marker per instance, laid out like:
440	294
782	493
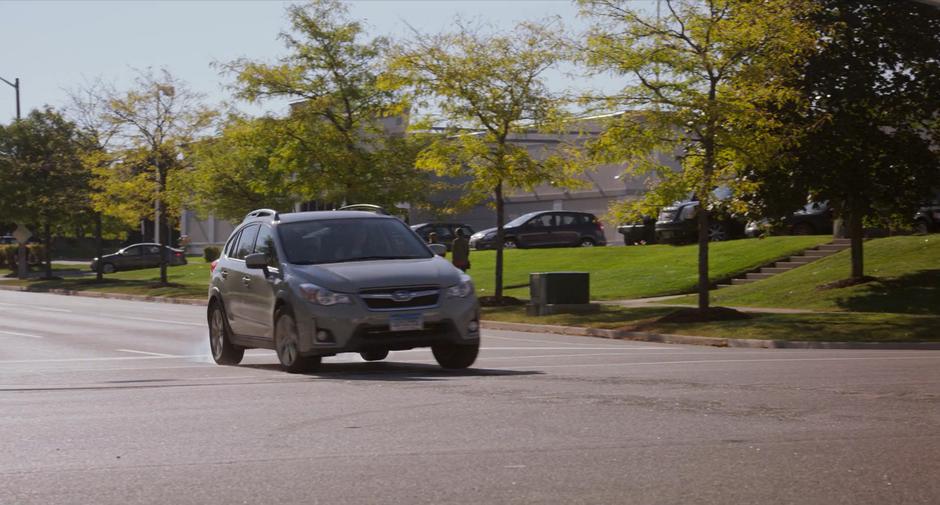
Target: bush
211	253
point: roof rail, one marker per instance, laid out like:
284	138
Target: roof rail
261	213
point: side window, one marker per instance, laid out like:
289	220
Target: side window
567	219
246	242
230	245
134	251
153	250
265	244
543	221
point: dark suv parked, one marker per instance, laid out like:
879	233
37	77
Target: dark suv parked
547	228
927	219
813	219
678	224
314	284
146	255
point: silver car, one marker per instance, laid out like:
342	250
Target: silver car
314	284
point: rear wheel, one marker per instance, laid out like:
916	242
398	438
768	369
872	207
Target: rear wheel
378	355
223	351
509	243
455	356
108	268
717	232
586	242
287	345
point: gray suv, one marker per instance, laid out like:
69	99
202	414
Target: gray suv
314	284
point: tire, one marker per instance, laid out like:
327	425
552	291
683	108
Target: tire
108	268
375	355
510	243
586	242
287	342
804	229
223	351
717	232
455	356
921	228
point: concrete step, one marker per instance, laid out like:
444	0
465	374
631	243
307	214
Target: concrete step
816	253
846	241
776	269
721	286
800	260
759	276
833	247
742	281
790	265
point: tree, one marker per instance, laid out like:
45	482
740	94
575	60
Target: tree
344	138
42	176
871	142
149	129
697	74
487	89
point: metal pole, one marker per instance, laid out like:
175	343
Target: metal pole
22	267
17	87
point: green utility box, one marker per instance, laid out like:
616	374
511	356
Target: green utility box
553	292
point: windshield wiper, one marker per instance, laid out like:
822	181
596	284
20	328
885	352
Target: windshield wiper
373	258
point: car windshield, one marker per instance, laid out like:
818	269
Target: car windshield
341	240
521	219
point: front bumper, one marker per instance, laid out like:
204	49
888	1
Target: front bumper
354	327
674	233
483	243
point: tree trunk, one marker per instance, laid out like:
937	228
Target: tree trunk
498	193
99	250
703	283
856	232
47	236
161	212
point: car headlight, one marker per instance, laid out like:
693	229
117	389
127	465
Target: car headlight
322	296
462	289
688	212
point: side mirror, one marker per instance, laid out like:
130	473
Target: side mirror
256	260
438	249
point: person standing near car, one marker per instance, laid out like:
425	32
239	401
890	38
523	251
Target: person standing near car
461	250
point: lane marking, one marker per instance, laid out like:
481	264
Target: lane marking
539	348
37	307
160	354
159	320
725	361
79	360
18	334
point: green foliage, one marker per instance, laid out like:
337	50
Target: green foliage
35	255
211	253
344	138
696	76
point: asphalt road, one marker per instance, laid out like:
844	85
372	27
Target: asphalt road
114	402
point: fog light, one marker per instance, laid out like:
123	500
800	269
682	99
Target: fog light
323	336
473	326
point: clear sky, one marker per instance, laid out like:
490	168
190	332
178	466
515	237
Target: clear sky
53	46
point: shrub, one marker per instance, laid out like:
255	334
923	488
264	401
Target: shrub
211	253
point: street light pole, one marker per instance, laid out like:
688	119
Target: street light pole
21	262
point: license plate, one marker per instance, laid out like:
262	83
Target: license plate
405	322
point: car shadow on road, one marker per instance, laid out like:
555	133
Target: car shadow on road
393	372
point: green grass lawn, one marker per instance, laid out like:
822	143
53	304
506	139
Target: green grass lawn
821	327
907	271
637	271
186	281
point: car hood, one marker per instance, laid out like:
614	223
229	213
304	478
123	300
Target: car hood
354	276
483	233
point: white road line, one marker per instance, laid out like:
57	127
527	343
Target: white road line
17	334
79	360
725	361
160	354
488	336
37	307
158	320
539	348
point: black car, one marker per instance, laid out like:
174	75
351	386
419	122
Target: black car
640	232
446	232
927	218
813	219
677	224
146	255
547	228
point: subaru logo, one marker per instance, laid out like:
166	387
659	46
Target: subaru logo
402	295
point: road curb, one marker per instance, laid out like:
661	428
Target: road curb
669	338
112	296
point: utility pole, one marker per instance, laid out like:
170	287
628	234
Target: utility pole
22	267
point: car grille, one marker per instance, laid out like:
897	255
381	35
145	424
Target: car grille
667	215
411	297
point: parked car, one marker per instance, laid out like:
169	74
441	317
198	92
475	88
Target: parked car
813	219
677	223
446	232
927	218
7	240
641	232
146	255
314	284
547	228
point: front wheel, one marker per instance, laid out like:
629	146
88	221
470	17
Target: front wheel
108	268
717	232
586	242
455	356
287	345
374	355
223	351
509	244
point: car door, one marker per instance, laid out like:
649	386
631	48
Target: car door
150	256
260	288
236	283
130	258
536	231
566	230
